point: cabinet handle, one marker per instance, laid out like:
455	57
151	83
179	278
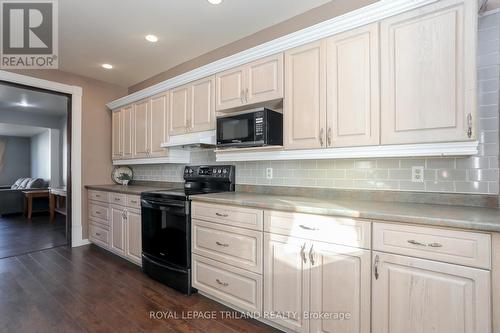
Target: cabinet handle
98	212
311	255
469	125
225	284
321	133
303	254
435	245
97	195
97	234
242	94
307	228
414	242
222	244
375	267
329	136
133	201
221	215
246	95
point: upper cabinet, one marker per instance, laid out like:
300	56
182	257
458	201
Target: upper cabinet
428	74
353	104
116	140
192	107
158	127
253	83
304	108
141	129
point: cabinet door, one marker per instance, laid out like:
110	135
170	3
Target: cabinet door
286	280
230	88
158	123
117	138
415	295
265	80
340	284
127	131
133	236
353	110
202	116
305	102
180	106
428	73
141	129
117	228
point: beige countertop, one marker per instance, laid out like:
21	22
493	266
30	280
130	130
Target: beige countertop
130	189
482	219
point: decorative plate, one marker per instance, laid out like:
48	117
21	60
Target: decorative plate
119	171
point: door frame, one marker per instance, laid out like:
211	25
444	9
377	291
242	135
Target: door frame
75	148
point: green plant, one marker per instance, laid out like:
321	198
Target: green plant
124	176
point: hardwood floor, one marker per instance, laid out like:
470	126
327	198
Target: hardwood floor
87	289
19	235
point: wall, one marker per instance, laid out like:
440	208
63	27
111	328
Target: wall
477	174
40	156
17	160
304	20
64	150
96	126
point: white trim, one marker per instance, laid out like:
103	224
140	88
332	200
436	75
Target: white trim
467	148
197	138
365	15
174	156
76	142
81	243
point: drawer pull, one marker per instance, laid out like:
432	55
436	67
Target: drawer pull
97	195
98	212
117	199
414	242
308	228
221	215
97	234
133	201
225	284
222	244
435	245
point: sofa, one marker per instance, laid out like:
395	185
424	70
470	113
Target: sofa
12	198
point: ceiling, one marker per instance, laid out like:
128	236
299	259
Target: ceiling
93	32
20	130
25	100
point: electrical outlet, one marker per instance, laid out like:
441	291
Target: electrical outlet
269	173
417	174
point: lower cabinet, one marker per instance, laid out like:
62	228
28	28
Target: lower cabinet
133	236
315	286
414	295
118	229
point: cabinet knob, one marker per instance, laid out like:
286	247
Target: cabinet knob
321	133
329	136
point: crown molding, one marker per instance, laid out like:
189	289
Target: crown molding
365	15
466	148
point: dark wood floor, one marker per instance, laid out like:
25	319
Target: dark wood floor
19	235
87	289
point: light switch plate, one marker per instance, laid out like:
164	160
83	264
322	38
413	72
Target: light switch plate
269	173
417	174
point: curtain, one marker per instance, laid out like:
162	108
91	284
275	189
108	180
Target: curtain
3	144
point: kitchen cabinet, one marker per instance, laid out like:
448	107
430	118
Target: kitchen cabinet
117	140
257	82
141	129
414	295
192	107
158	125
127	115
286	280
133	235
118	229
428	74
304	106
353	107
202	113
340	284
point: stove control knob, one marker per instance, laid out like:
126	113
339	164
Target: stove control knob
214	171
224	171
190	171
219	171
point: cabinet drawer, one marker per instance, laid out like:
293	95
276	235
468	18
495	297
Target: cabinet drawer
235	286
453	246
235	246
228	215
118	199
99	235
99	196
99	211
134	201
343	231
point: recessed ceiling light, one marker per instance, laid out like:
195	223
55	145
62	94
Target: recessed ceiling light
107	66
151	38
215	2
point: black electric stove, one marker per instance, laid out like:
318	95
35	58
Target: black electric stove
166	224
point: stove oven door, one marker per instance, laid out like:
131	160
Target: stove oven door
166	232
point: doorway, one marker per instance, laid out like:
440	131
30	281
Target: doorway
35	169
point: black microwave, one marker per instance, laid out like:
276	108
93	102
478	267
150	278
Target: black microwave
255	128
